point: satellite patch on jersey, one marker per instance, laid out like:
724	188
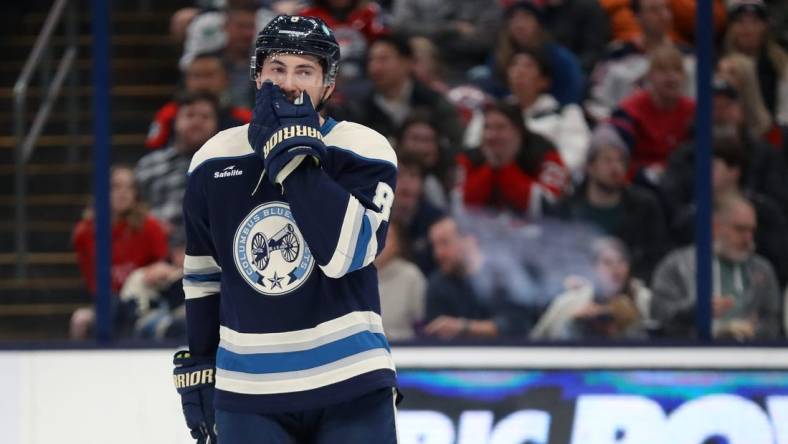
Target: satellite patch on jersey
270	252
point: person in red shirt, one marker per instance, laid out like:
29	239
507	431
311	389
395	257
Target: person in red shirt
514	169
655	120
137	240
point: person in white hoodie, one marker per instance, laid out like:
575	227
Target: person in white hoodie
530	76
611	304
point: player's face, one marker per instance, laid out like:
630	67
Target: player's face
123	194
295	74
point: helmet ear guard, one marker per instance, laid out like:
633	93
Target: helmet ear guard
253	68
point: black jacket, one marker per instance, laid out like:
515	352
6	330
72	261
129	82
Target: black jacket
642	227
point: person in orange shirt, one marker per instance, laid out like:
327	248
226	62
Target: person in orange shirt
626	27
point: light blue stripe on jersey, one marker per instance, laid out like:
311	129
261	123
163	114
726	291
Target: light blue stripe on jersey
361	245
261	363
328	125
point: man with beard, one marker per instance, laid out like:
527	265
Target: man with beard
741	164
746	296
469	296
162	174
608	202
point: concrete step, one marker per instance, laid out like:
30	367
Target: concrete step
125	148
128	70
140	45
36	290
43	236
53	202
47	265
83	115
47	179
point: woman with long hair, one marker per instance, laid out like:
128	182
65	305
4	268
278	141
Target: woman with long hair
514	169
523	29
748	34
137	240
741	73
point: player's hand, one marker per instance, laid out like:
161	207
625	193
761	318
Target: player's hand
194	380
287	133
264	121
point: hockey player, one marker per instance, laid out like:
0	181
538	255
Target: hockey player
284	218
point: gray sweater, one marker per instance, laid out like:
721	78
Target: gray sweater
674	297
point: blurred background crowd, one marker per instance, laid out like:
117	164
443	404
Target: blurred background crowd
546	165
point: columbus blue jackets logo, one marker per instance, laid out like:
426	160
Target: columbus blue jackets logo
270	252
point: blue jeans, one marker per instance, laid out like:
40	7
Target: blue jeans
367	419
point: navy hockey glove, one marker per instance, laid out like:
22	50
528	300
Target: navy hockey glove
194	380
283	133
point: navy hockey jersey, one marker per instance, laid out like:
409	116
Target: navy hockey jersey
279	282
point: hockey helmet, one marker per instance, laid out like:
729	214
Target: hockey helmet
295	34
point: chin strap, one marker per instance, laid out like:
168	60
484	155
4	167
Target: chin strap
323	101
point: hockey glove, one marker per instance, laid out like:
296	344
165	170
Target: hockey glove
283	133
194	380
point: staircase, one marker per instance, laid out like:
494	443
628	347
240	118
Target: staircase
143	76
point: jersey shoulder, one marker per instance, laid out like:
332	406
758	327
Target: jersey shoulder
360	141
226	144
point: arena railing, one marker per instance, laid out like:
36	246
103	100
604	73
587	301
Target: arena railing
26	138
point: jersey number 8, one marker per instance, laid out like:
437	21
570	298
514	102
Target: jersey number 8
384	197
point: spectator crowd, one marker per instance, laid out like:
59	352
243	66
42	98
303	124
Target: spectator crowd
546	154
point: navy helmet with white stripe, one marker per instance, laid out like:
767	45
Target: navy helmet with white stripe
293	34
